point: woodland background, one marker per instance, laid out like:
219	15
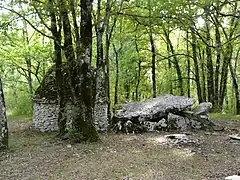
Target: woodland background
150	48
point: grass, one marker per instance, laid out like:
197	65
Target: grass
19	117
34	155
224	116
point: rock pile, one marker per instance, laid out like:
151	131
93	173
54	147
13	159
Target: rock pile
161	113
177	140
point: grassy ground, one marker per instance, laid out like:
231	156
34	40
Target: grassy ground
35	155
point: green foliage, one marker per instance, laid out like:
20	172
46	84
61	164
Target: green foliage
18	102
134	22
25	57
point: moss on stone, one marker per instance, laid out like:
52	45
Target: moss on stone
48	87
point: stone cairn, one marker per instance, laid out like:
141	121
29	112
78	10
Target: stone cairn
45	106
46	109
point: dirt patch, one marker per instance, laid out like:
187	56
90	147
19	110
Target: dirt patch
34	155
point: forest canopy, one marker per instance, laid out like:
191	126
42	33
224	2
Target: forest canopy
140	48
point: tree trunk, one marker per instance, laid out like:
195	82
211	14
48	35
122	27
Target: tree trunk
170	77
175	62
210	72
201	57
235	86
76	29
216	107
100	107
68	42
170	83
82	77
227	55
224	74
196	68
154	86
86	30
3	121
56	33
109	32
107	76
117	76
28	63
108	37
139	71
188	69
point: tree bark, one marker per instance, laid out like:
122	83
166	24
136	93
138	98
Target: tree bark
216	107
68	42
236	89
224	74
86	30
3	121
108	37
28	63
76	28
196	68
210	72
139	70
117	76
201	57
227	56
56	33
153	50
175	62
188	68
82	77
100	107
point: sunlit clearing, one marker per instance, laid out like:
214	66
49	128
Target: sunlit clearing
183	153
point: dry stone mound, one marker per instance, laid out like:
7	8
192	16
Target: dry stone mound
160	113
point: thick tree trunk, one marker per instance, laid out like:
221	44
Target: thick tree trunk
196	68
56	32
86	30
3	121
68	44
83	128
82	77
154	86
